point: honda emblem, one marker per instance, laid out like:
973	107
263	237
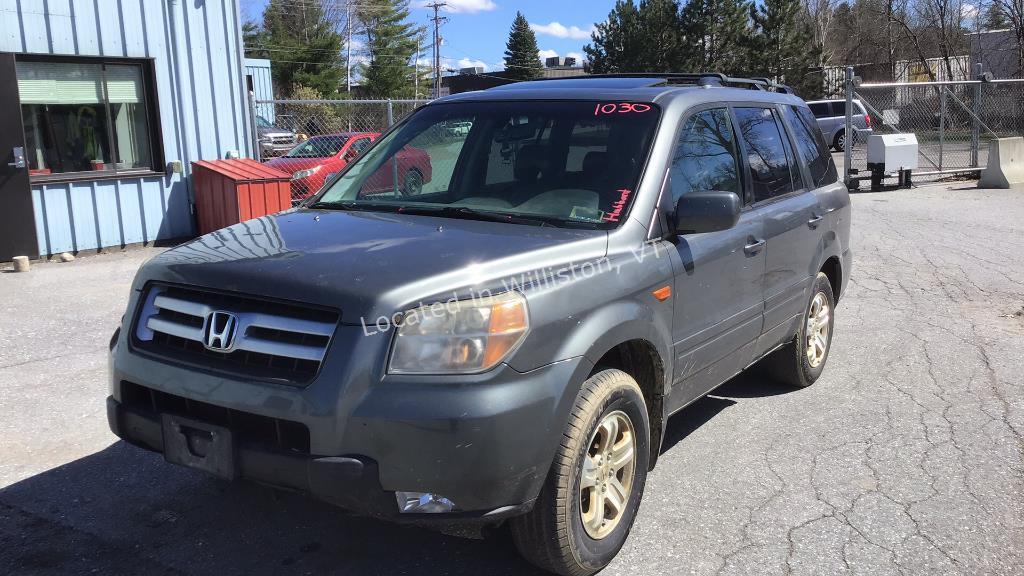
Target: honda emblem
220	331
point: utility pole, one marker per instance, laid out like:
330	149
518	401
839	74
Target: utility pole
348	48
416	78
437	20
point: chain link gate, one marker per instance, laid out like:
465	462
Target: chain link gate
314	139
953	122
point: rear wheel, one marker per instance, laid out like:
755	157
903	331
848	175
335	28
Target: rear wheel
801	361
839	142
588	503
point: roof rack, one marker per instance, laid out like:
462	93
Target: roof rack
698	79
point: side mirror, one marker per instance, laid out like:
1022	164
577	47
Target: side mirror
707	211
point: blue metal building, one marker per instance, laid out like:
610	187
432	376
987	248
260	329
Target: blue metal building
104	104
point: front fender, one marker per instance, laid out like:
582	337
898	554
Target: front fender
592	333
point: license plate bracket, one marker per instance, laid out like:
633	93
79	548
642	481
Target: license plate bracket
199	445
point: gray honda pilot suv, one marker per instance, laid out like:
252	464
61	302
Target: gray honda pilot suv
590	256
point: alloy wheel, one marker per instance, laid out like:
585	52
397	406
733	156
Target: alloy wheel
607	478
817	329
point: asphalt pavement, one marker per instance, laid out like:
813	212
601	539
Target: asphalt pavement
906	457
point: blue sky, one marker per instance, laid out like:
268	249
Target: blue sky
476	31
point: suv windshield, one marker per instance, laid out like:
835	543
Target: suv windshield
572	163
318	147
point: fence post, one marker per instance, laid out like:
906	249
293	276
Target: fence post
976	121
253	127
848	149
394	161
942	123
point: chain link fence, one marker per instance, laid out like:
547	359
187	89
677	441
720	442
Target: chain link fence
953	123
314	139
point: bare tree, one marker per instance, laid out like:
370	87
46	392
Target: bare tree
944	19
821	16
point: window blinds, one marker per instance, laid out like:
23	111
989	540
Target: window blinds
73	83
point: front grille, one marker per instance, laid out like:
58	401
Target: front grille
282	139
247	428
272	340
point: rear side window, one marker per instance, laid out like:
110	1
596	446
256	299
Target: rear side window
705	157
839	108
766	152
810	146
820	109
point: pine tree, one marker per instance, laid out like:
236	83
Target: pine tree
617	43
391	43
995	18
782	46
637	38
304	43
521	59
716	36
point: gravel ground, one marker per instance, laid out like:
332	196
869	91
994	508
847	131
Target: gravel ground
905	457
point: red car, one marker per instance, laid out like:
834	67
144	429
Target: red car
314	161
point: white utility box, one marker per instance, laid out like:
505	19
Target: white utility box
892	152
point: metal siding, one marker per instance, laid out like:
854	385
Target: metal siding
203	108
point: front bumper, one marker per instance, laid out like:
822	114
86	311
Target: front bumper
350	482
484	441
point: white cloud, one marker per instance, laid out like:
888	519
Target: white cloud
470	63
462	6
969	11
545	54
576	55
558	30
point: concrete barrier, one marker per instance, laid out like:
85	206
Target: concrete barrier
1005	164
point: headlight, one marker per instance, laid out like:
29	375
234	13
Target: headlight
305	173
459	337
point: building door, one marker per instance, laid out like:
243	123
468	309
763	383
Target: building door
17	222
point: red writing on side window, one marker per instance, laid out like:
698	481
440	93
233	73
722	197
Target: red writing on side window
617	206
619	108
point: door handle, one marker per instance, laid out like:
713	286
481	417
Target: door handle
753	248
19	157
813	222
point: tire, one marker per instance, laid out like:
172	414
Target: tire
412	184
792	364
554	535
839	142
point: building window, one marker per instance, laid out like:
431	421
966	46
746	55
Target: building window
86	117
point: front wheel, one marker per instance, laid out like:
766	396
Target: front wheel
412	185
589	501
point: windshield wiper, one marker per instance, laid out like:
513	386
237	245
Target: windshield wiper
353	205
466	213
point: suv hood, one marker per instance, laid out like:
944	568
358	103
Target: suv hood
272	132
370	264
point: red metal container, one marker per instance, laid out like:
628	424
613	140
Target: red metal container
231	191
